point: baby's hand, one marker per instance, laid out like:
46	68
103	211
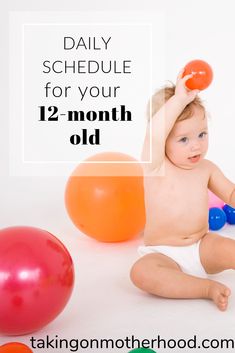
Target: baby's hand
181	92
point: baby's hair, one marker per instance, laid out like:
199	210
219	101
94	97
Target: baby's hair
161	96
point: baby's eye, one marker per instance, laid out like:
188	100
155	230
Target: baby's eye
184	139
202	134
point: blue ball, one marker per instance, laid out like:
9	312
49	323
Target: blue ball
217	218
230	214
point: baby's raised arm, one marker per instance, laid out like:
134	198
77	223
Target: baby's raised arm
163	122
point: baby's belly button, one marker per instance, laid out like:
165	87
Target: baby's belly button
188	237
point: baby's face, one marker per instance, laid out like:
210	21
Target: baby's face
187	143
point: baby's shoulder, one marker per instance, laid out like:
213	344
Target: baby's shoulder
208	166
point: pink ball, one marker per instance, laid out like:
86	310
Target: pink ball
214	201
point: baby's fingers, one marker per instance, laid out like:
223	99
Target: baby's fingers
180	74
187	77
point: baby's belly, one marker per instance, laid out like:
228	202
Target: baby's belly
169	228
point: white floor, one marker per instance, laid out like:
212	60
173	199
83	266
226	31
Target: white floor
104	303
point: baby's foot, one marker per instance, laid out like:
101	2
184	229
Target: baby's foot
219	294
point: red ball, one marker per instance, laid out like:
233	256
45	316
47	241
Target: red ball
36	279
15	347
203	74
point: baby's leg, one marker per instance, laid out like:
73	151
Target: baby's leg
217	253
158	274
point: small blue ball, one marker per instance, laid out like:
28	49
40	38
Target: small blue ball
230	214
217	218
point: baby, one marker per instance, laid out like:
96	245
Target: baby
179	251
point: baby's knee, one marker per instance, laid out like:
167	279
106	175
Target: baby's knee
139	275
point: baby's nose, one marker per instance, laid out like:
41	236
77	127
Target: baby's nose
195	146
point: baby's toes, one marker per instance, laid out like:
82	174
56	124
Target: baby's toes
222	302
226	292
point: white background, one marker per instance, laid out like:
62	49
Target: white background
104	302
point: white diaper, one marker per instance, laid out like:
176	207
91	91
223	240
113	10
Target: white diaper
187	257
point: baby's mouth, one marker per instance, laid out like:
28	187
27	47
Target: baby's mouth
195	158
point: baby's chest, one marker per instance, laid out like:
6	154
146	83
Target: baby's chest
178	189
182	189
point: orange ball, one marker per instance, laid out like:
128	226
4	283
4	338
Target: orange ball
203	74
15	347
106	200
